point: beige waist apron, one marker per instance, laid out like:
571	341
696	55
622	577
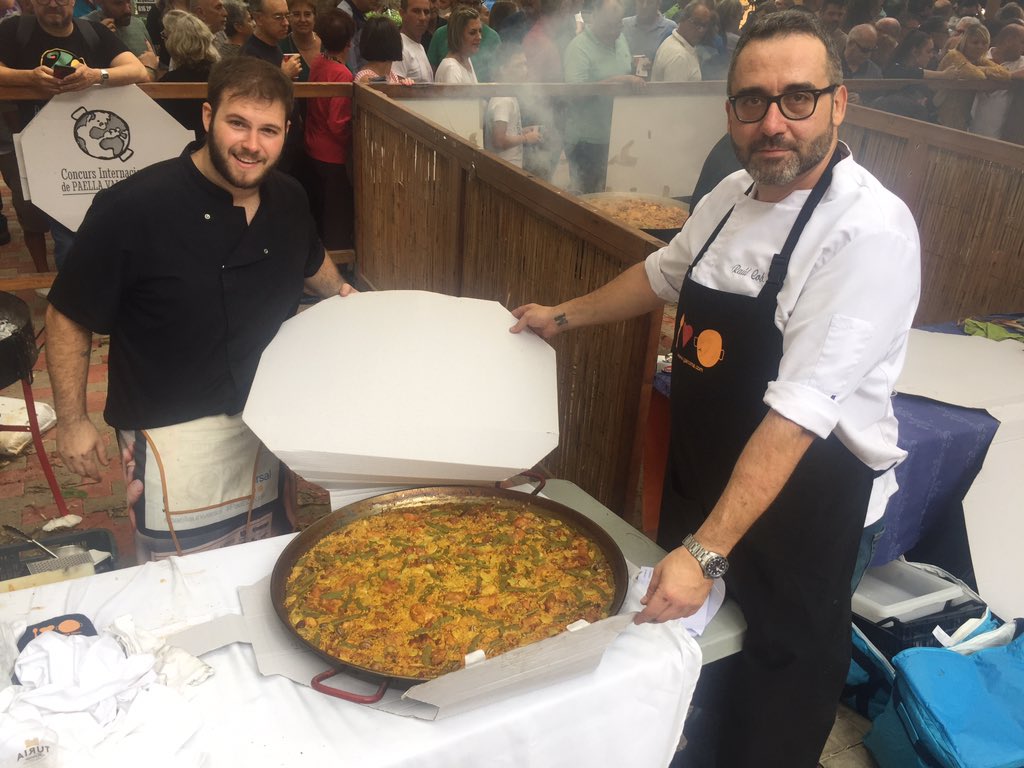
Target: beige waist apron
200	474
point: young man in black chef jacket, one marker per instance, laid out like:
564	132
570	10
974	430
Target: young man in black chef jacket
191	292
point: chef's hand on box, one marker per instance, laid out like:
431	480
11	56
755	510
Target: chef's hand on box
546	322
678	588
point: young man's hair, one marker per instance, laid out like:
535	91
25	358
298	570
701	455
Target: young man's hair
784	24
336	29
248	77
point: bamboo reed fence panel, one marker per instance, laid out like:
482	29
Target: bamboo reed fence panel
880	153
407	209
514	255
518	240
972	238
966	193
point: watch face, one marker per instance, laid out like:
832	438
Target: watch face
716	567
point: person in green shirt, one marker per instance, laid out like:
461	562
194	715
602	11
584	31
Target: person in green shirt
485	60
599	54
119	17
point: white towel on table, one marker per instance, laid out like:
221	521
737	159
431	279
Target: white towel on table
91	701
695	624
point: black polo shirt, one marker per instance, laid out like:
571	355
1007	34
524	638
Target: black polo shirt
189	292
261	50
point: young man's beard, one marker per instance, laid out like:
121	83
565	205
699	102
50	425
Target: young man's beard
220	160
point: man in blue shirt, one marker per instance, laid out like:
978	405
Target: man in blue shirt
647	30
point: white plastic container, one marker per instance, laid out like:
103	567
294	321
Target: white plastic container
903	591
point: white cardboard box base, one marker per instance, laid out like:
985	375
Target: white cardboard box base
524	669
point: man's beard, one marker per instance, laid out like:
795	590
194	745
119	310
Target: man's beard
220	161
783	171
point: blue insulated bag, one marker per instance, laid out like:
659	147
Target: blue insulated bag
956	707
869	681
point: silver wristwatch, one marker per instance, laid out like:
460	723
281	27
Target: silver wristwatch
104	76
713	564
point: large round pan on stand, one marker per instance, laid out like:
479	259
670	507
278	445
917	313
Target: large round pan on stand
664	235
433	495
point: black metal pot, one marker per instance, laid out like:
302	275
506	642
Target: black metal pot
18	351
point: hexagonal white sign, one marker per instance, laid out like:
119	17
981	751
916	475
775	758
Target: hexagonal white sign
81	143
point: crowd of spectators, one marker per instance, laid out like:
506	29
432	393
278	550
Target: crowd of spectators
547	41
940	40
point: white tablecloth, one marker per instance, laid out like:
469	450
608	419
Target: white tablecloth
627	713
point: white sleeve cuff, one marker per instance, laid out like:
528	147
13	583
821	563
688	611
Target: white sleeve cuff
810	408
659	283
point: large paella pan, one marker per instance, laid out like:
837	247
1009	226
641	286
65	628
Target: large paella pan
402	586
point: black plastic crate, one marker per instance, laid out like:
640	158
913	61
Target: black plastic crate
891	635
14	558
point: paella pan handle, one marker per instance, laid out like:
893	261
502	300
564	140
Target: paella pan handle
317	684
531	475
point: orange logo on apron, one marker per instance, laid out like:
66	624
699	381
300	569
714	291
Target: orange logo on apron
709	346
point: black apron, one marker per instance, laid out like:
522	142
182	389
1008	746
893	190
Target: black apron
791	572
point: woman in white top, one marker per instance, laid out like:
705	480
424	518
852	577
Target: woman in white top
465	31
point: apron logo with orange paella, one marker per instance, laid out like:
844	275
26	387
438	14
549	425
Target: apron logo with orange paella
708	346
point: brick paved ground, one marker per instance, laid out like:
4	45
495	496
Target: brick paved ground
25	498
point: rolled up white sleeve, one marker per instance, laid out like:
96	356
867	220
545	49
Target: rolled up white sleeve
666	269
847	330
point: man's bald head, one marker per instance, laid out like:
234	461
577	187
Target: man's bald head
860	44
864	34
888	26
943	9
1009	42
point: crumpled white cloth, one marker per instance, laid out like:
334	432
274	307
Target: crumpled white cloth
695	624
100	700
174	667
60	673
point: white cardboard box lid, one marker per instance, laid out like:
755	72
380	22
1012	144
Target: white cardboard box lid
402	387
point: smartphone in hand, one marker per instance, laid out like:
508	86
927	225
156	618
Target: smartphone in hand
60	71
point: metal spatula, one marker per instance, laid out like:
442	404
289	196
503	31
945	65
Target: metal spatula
25	537
64	557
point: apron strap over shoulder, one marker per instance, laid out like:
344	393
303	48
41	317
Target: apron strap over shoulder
780	263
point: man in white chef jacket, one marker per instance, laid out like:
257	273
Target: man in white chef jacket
797	280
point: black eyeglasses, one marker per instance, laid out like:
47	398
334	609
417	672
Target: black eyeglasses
794	105
864	48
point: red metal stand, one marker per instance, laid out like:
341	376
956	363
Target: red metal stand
37	440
